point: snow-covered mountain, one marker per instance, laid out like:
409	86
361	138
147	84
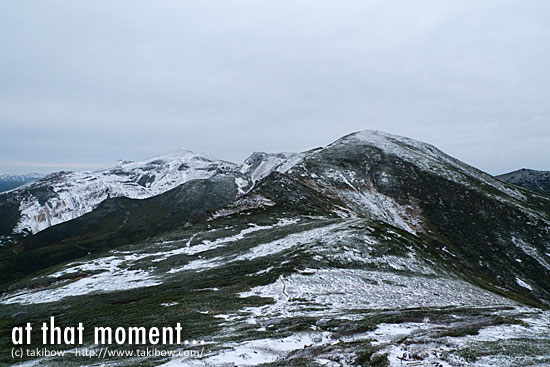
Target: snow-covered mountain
9	182
63	196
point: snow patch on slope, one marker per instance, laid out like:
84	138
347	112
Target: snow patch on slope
111	274
260	165
531	251
381	207
207	245
255	352
337	291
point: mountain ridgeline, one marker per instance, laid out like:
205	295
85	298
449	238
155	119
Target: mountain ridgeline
385	213
9	182
538	181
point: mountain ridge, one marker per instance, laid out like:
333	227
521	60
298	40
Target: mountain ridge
537	181
9	182
58	197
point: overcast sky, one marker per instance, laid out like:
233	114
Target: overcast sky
85	83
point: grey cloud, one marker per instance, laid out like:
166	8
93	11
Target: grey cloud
93	82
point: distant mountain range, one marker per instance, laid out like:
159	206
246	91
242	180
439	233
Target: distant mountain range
538	181
375	250
9	182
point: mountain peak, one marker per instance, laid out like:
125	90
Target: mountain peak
391	143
